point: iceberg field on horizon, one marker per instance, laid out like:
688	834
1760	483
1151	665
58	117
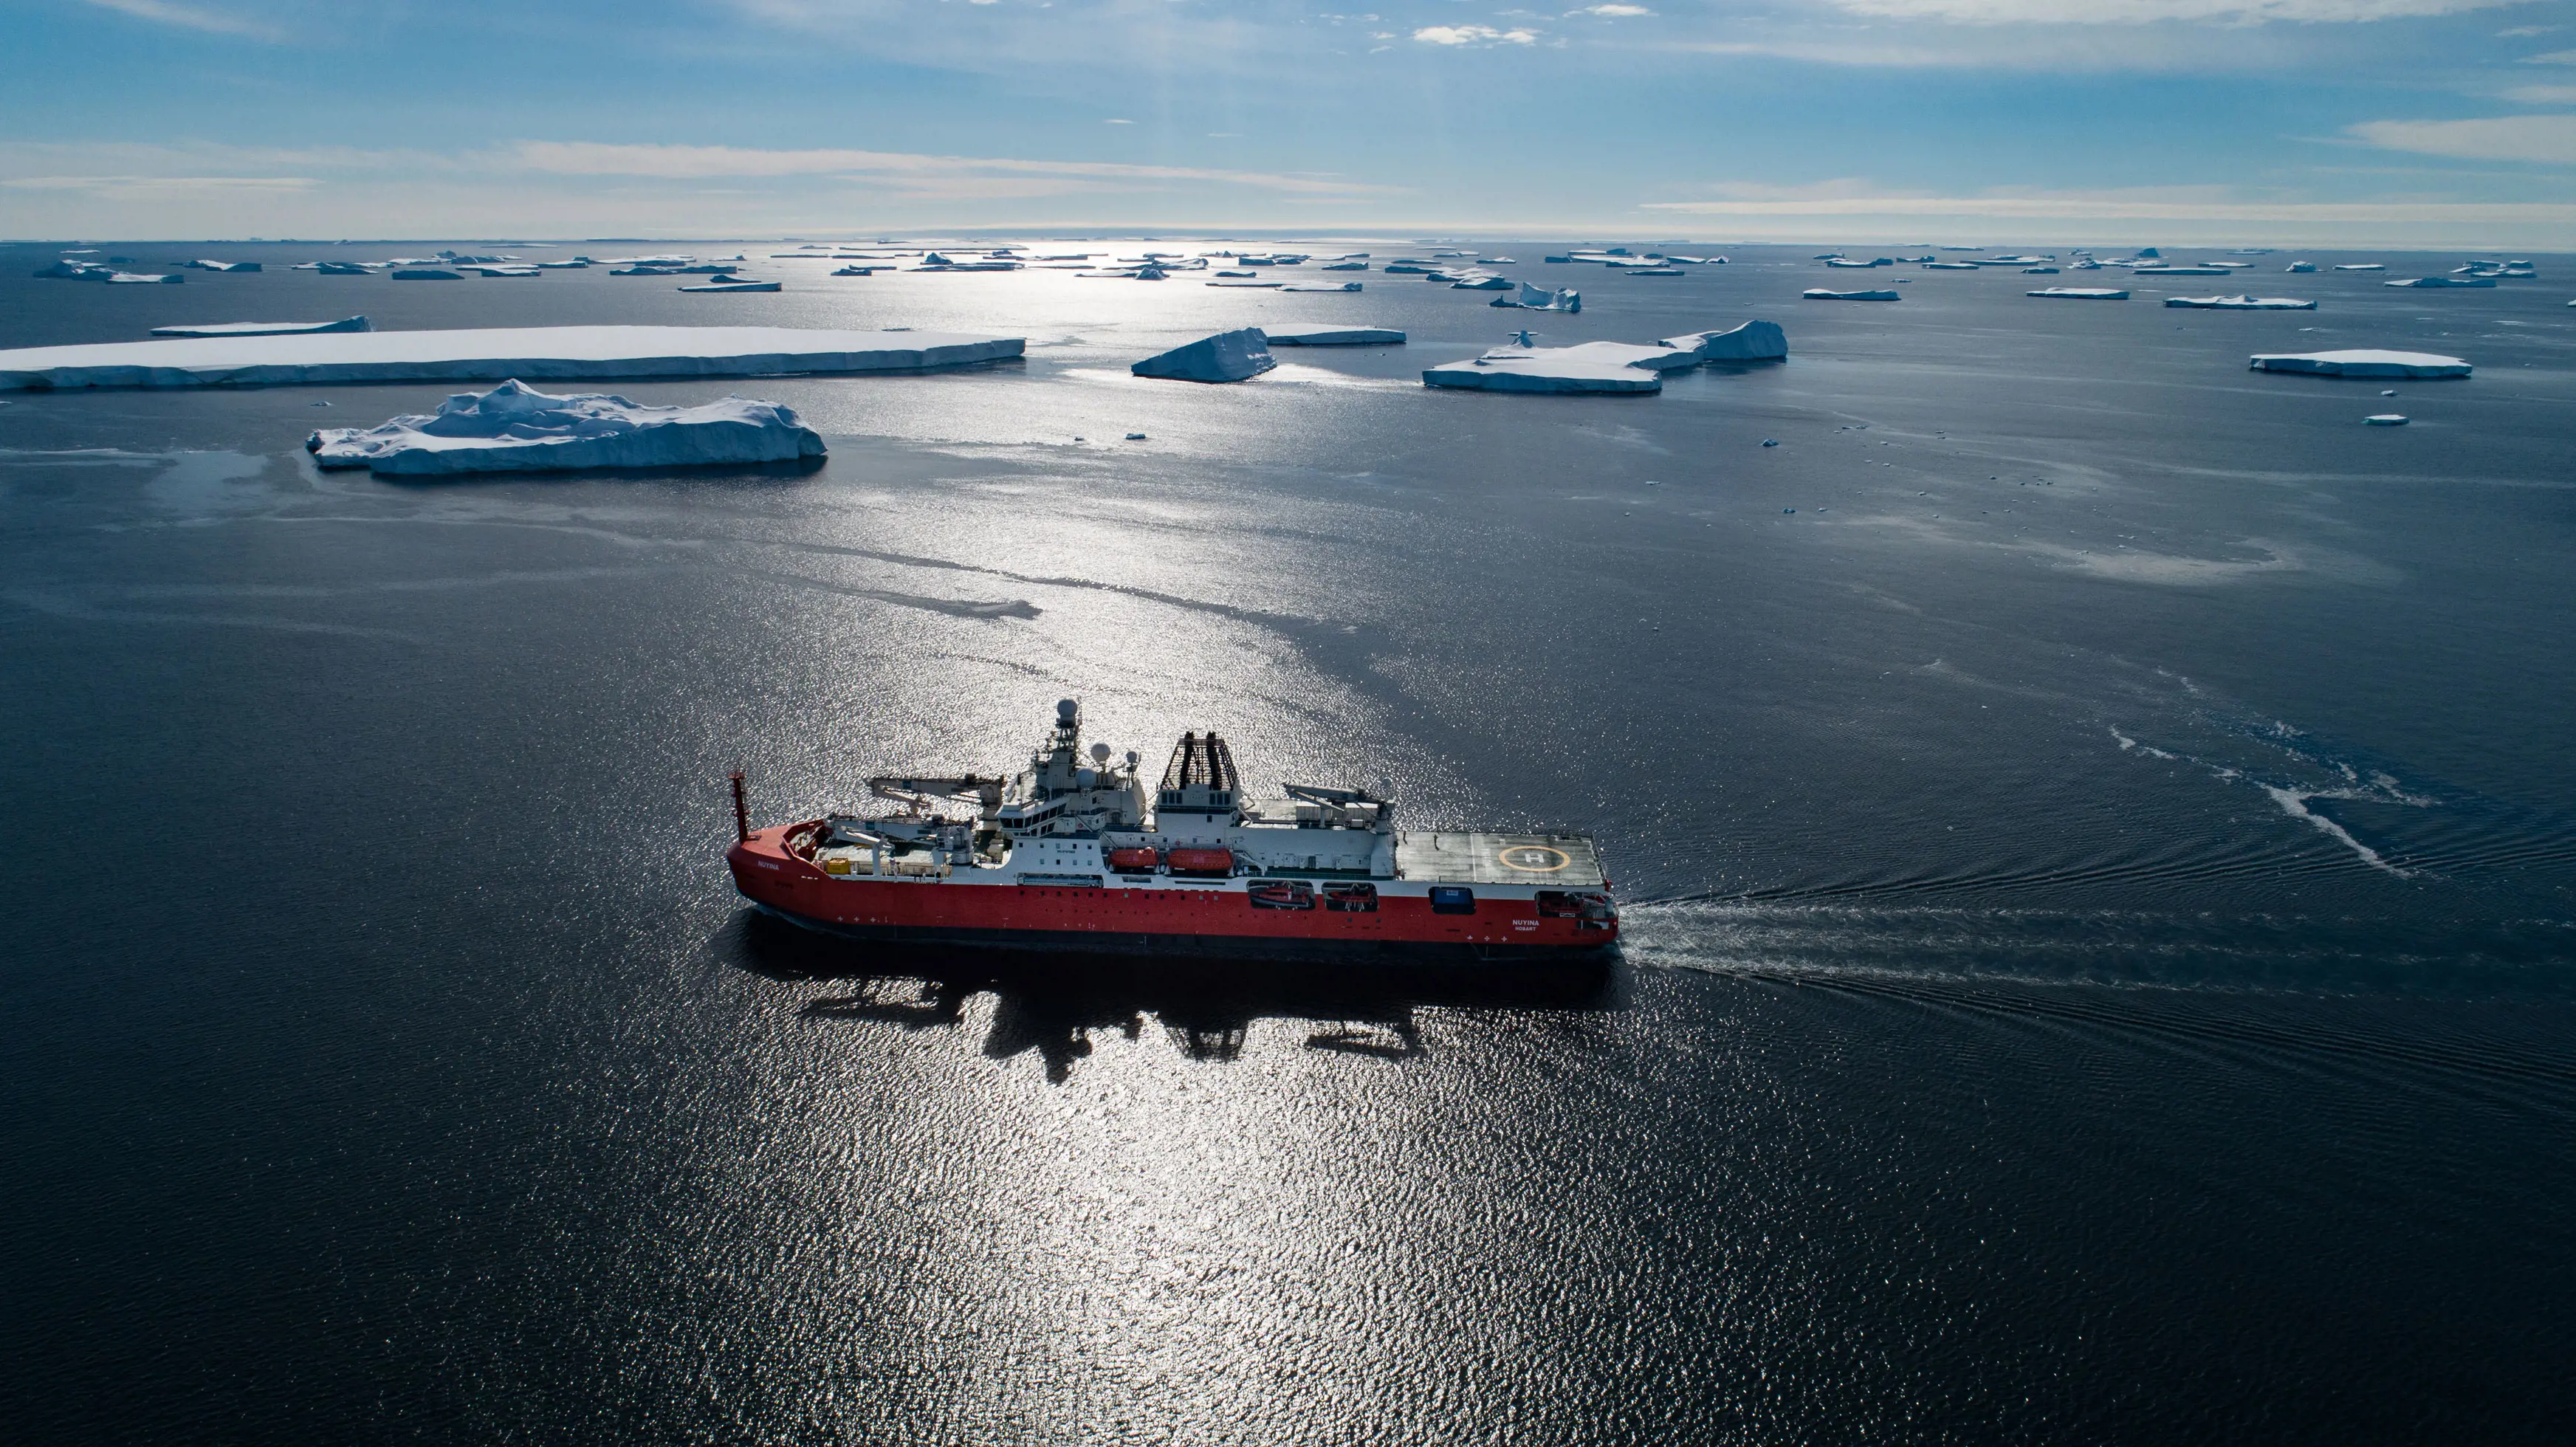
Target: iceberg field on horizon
515	428
1226	357
493	353
2361	363
265	329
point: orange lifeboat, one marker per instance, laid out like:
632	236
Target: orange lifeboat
1134	861
1202	861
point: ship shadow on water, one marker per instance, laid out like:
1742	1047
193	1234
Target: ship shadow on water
1054	1004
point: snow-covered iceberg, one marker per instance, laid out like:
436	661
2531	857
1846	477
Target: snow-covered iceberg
2385	419
265	329
1588	367
2242	303
1820	294
515	428
1225	357
74	271
2080	293
1480	283
2362	364
344	268
1751	342
2361	266
2301	268
729	284
1541	299
225	265
2434	283
489	354
131	278
1285	336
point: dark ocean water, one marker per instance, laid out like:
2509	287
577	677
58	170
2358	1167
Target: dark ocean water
2100	873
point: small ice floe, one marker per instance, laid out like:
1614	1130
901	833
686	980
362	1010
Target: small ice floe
1238	273
432	273
2439	283
855	271
731	285
2080	293
2386	419
265	329
578	263
1482	283
515	428
1850	265
225	265
2360	266
1751	342
2039	271
1284	336
1344	266
1950	266
1225	357
1588	367
2366	363
343	268
1770	441
1322	286
1540	299
2178	271
74	271
1250	285
1820	294
136	278
2242	303
2302	268
505	271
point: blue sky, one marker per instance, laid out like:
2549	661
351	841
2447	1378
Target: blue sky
2437	122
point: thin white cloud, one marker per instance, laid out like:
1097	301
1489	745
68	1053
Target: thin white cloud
2542	95
134	186
2549	140
2554	57
596	158
1115	121
1474	35
1612	10
189	17
2152	204
2144	12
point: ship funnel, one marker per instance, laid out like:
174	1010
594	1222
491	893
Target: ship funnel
1200	779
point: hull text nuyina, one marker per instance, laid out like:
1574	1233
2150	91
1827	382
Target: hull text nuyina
1078	852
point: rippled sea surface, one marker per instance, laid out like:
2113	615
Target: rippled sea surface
2097	829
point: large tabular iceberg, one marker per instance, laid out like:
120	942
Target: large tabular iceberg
1820	294
1751	342
515	428
2242	303
2363	364
1589	367
491	354
1332	336
2080	293
265	329
1225	357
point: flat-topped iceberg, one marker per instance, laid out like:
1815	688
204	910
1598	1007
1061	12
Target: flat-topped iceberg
2242	303
489	354
2080	293
2365	363
2435	283
265	329
515	428
1751	342
2178	271
1322	286
133	278
1588	367
1226	357
1820	294
732	285
2360	266
1283	336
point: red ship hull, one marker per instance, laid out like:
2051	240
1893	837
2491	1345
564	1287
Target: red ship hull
1214	918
